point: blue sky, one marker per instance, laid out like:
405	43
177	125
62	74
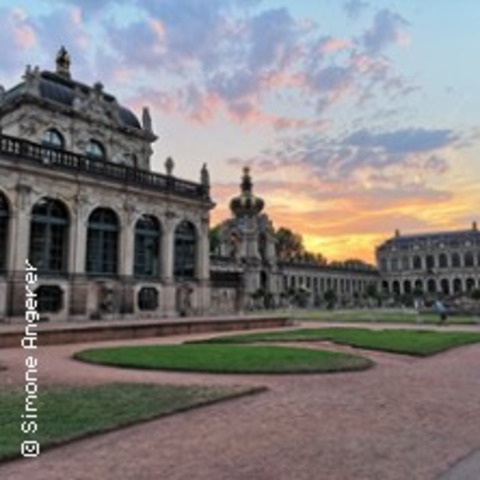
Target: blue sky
357	117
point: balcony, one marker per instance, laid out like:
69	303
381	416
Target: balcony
28	152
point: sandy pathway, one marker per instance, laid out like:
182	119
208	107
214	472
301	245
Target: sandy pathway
406	420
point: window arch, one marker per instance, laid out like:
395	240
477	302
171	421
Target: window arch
469	259
4	218
102	242
52	138
147	247
185	251
455	260
95	150
443	260
49	236
417	262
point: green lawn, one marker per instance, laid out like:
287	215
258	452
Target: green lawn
66	413
226	359
378	315
410	342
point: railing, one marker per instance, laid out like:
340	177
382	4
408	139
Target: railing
72	162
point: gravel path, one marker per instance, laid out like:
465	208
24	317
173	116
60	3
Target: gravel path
409	419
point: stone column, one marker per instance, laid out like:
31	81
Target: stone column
167	259
203	267
77	258
19	248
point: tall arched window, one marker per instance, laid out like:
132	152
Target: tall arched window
95	150
417	263
455	260
52	138
147	247
443	261
4	215
102	242
185	251
469	260
49	236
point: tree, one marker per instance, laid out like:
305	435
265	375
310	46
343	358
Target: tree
214	237
289	244
330	298
475	294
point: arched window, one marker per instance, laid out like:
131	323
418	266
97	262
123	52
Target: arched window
417	262
102	242
469	259
4	215
52	138
445	286
455	260
95	150
49	236
443	261
185	251
405	263
147	247
431	286
394	264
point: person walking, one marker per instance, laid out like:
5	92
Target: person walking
442	311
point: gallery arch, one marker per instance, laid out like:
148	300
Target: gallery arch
185	246
49	236
147	247
102	242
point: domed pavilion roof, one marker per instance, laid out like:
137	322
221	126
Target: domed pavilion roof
246	204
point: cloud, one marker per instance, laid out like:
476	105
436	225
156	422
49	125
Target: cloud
354	8
17	35
273	36
387	29
409	140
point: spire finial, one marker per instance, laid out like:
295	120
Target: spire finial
63	62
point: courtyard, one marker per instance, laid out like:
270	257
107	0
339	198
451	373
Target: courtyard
405	418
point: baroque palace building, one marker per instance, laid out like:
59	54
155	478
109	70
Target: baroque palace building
108	236
443	263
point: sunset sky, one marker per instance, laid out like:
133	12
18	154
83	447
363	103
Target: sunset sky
356	117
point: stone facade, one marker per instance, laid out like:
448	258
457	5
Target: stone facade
110	238
445	263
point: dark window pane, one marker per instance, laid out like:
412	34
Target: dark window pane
102	242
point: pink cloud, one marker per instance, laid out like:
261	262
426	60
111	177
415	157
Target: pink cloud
332	45
23	33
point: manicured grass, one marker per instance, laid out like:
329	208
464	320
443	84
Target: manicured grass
378	315
66	412
226	359
411	342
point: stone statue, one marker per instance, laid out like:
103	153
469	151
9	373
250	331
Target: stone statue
146	120
63	62
169	166
205	176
